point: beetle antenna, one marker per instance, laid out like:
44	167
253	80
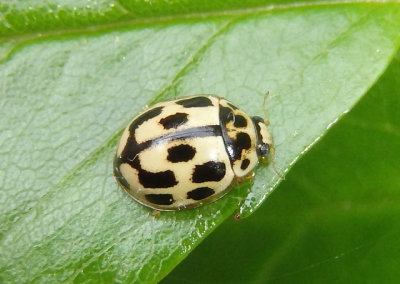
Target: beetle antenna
273	164
266	95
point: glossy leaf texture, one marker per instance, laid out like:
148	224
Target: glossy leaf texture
32	18
333	220
67	94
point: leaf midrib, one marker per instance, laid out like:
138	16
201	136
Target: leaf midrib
96	28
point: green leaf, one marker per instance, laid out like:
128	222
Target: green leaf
25	19
68	93
333	220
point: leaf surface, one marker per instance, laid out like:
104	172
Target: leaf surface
66	96
335	217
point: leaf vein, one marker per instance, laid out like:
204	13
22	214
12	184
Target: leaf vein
40	34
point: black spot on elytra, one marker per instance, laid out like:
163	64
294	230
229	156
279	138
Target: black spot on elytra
210	171
225	115
160	199
200	193
174	121
181	153
132	148
195	102
144	117
243	141
163	179
245	164
157	180
235	147
240	121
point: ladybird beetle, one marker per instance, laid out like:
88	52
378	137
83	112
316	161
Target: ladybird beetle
184	153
